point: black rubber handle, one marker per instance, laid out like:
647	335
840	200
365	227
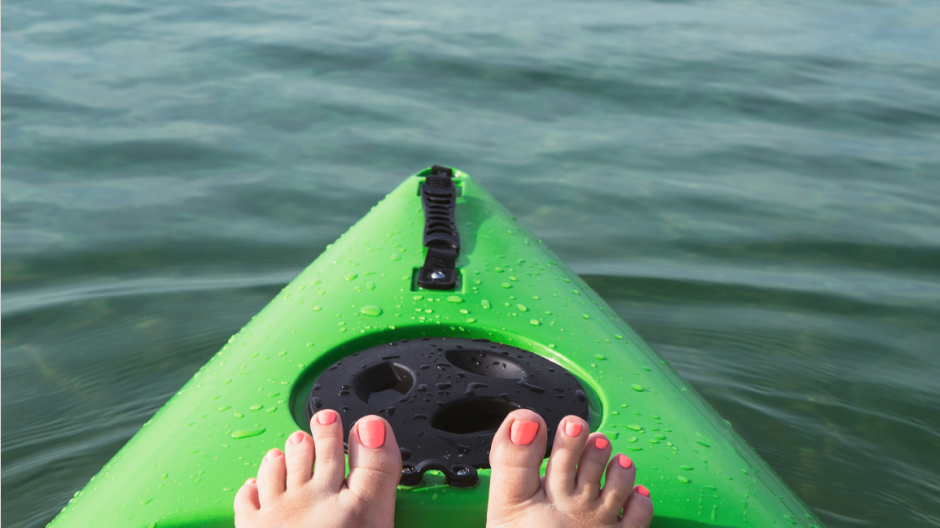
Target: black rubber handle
456	476
439	198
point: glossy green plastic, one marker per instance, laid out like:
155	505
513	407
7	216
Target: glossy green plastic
185	464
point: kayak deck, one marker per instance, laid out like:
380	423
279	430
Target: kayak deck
185	464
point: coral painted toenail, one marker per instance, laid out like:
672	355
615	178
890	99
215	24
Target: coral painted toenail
251	481
641	489
572	429
297	437
326	417
372	433
624	461
272	454
601	443
522	432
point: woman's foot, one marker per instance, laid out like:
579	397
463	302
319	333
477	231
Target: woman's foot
289	492
570	494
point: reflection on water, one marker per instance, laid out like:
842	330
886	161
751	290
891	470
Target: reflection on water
752	187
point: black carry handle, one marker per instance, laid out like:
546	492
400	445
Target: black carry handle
439	198
456	476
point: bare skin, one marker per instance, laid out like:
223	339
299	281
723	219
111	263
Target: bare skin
570	494
288	492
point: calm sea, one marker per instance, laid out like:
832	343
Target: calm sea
754	186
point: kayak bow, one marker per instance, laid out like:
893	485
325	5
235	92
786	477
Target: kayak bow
418	267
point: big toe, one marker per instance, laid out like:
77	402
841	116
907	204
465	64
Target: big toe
374	460
516	458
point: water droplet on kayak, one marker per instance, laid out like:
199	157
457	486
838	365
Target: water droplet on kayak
618	336
634	427
270	409
600	357
396	256
486	304
351	276
247	433
638	388
576	292
238	415
455	299
683	480
418	297
370	285
471	320
506	285
534	322
686	468
586	316
498	270
224	408
373	311
699	442
522	308
632	439
660	437
534	388
464	311
256	407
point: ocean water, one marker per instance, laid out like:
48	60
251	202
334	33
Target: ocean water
754	186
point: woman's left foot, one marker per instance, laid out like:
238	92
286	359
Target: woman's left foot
290	492
570	495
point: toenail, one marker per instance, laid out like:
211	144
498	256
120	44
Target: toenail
297	437
272	454
624	461
522	432
372	433
601	443
251	481
572	429
326	417
641	489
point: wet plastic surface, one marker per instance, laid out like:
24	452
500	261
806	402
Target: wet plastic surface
445	397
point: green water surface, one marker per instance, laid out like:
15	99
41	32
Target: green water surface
755	187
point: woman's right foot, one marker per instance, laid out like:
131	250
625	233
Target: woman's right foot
290	492
570	495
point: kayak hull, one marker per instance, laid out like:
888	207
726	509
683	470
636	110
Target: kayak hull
185	464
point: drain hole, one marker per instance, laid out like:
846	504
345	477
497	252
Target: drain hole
472	416
384	383
485	363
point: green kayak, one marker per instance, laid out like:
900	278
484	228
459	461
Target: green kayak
436	268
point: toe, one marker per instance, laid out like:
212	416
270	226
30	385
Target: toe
298	452
638	511
592	463
618	485
271	476
566	450
327	429
374	460
246	502
516	457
